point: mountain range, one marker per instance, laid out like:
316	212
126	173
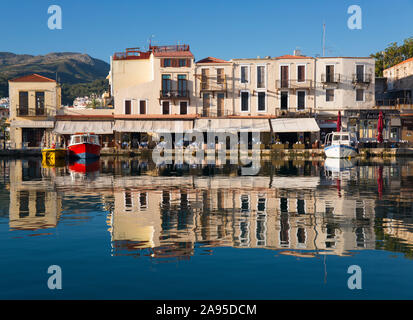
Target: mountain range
70	67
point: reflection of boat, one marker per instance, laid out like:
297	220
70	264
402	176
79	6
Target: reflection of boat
339	165
340	145
85	165
84	145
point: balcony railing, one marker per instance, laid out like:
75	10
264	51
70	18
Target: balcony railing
30	112
330	78
362	78
294	84
174	94
398	103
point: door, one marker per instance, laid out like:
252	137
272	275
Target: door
205	105
204	79
182	86
329	73
220	104
184	107
165	107
142	107
166	84
128	107
360	73
284	76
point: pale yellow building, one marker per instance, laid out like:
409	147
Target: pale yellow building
34	100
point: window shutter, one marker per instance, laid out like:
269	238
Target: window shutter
188	62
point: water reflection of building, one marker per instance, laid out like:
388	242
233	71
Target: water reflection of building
34	203
171	214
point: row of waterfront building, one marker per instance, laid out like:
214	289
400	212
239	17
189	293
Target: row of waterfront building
291	98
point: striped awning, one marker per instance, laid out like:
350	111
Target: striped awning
72	127
294	125
153	125
232	125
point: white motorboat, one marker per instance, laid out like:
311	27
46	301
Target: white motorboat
341	145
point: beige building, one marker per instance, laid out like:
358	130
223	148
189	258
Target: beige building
400	79
34	101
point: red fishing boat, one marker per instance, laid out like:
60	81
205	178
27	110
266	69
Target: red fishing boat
84	145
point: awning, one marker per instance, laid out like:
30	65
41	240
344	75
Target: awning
32	124
72	127
234	125
294	125
153	125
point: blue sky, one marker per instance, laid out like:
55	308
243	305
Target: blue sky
225	29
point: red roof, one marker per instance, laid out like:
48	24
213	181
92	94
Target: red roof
212	60
32	78
288	56
407	60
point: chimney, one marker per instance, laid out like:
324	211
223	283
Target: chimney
297	52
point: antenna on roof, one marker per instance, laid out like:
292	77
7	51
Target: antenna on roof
324	39
150	40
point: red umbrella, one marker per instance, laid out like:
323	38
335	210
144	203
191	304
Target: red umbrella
339	122
380	127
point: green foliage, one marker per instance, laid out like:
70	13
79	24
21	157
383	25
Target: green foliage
71	91
393	55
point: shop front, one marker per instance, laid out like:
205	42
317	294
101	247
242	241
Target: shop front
364	124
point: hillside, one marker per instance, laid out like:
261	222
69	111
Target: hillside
71	68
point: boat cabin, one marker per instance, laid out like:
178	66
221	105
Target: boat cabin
341	138
84	138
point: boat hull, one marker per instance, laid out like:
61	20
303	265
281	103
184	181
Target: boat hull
84	150
340	151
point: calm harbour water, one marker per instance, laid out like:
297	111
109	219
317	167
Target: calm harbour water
127	229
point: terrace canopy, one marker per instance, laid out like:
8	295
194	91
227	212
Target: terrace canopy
233	125
153	125
72	127
294	125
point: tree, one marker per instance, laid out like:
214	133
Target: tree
393	55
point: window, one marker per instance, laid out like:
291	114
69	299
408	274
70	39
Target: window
360	95
128	107
143	200
300	206
260	76
329	95
284	100
39	103
142	107
165	107
166	84
329	73
300	100
166	62
285	74
300	73
128	201
206	102
220	104
182	62
23	103
183	105
182	86
220	76
360	73
244	74
245	97
204	78
261	101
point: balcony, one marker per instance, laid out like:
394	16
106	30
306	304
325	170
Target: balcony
362	78
174	94
30	112
294	84
330	78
